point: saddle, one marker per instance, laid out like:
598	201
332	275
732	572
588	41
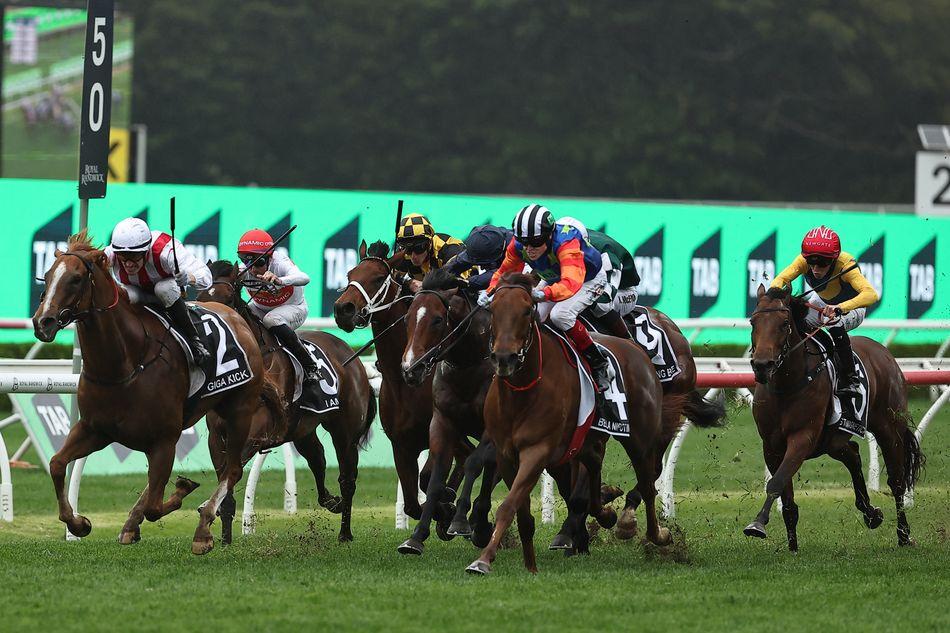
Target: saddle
858	428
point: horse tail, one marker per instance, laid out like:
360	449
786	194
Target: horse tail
674	405
704	413
270	396
914	459
368	424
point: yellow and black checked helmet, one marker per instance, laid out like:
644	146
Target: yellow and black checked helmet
414	229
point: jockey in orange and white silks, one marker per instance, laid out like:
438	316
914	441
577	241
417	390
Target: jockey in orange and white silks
275	285
143	262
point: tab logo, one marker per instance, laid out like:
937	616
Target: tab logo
46	240
922	280
871	263
649	261
704	276
761	270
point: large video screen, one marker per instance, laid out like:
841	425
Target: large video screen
42	93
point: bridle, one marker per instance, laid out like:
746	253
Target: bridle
72	314
787	348
526	345
441	350
376	303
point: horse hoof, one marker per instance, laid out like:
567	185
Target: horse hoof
345	537
411	546
479	568
333	504
607	518
609	493
874	519
80	526
200	547
755	529
186	485
627	525
907	542
130	537
460	527
663	536
442	531
482	536
562	541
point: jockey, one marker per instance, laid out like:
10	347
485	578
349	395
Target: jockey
845	297
620	295
143	262
484	249
276	288
572	277
423	248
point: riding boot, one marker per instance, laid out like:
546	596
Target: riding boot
598	367
288	338
178	312
615	325
848	384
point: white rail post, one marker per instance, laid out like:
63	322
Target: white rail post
248	518
290	481
547	498
874	464
74	480
402	521
6	484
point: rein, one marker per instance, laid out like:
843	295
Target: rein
786	351
70	315
374	304
438	353
527	344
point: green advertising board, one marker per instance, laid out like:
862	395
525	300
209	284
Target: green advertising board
694	260
46	418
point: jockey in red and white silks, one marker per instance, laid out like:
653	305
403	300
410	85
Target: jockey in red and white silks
143	262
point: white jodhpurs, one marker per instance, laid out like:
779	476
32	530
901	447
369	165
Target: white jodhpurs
563	314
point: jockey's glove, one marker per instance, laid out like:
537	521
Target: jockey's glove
185	279
484	299
538	295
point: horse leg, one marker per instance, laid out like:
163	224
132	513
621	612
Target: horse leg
790	516
577	506
463	450
80	442
645	467
473	468
531	463
407	469
218	451
481	526
526	533
311	449
627	524
347	457
149	505
899	453
797	449
563	477
847	453
441	440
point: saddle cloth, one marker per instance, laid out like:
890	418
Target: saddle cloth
654	341
824	342
616	421
328	398
227	366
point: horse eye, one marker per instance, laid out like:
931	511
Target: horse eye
380	279
437	320
527	312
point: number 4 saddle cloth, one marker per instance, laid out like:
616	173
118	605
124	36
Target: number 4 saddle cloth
613	418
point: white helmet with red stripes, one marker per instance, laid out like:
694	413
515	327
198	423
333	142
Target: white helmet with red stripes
131	235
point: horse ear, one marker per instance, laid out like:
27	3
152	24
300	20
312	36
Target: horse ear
102	260
362	249
57	253
760	291
208	263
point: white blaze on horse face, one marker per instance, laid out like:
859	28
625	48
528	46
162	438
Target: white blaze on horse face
51	291
410	356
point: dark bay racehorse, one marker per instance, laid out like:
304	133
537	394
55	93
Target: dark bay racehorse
791	404
531	413
374	297
134	386
348	426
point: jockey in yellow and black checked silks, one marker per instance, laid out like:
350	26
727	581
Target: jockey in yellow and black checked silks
416	235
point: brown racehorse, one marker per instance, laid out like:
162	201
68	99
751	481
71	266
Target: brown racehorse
790	407
701	412
374	297
531	412
348	426
134	387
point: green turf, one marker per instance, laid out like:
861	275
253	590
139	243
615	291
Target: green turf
293	573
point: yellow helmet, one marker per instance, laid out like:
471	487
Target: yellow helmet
414	228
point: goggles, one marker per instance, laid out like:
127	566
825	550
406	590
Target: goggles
131	256
250	257
818	260
535	242
416	248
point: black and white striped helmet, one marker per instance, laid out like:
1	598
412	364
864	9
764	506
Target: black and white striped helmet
532	222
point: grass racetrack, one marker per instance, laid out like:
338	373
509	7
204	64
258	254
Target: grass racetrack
293	572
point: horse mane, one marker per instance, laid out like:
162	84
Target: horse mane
439	279
796	305
221	268
378	249
81	241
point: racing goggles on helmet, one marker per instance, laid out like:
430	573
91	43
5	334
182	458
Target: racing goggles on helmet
132	256
536	241
415	247
819	260
249	258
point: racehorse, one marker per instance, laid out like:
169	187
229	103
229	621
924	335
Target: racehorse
701	412
791	402
348	425
134	389
531	412
374	297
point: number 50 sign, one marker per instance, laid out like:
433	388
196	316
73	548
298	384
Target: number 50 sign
932	191
96	100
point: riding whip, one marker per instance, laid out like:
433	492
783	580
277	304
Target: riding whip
174	251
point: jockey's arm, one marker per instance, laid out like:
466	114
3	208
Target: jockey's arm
573	271
785	278
511	264
188	263
866	296
287	272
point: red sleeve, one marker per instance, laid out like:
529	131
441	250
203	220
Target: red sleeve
573	271
511	264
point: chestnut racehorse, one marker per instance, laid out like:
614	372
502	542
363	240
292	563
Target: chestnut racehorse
531	414
134	387
791	403
348	426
